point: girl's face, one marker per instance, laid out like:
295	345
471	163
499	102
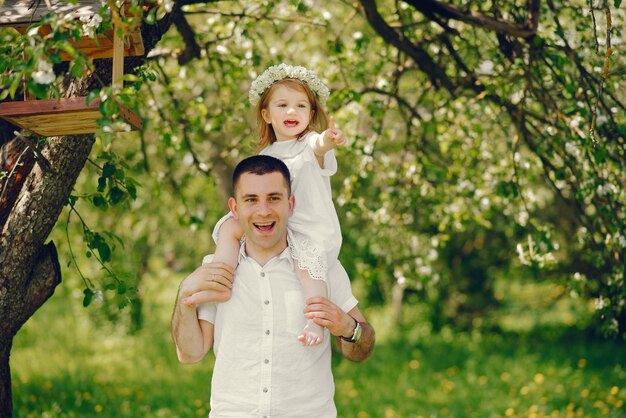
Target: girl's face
288	111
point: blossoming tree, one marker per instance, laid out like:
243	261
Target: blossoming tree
485	134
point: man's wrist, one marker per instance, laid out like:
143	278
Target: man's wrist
350	332
355	332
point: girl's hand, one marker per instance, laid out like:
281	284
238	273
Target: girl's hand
208	283
335	135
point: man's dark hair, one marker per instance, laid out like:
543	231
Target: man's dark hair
259	165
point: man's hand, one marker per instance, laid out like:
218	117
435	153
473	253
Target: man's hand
326	314
208	283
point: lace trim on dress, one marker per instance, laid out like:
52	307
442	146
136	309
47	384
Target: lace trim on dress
309	256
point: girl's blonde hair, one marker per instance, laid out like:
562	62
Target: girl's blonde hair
318	123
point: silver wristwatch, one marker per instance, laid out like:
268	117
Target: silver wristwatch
355	335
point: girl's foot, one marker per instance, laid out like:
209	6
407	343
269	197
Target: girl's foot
312	334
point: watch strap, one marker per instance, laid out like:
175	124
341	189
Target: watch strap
355	333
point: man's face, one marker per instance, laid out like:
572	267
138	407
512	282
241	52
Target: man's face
262	207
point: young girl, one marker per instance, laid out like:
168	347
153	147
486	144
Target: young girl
288	102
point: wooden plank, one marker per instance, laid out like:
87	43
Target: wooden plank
118	57
72	123
33	107
68	116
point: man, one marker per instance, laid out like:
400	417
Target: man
261	369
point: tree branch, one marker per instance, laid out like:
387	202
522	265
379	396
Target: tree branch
192	49
420	56
450	11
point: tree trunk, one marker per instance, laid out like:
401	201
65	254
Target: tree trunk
29	270
31	201
6	401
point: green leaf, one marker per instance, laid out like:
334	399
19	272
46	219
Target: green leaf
72	200
103	249
108	170
116	195
102	184
77	68
88	298
617	3
39	90
93	94
100	202
132	191
14	85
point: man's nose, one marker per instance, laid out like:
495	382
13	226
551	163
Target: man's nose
264	208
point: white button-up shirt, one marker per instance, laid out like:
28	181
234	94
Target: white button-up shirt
261	369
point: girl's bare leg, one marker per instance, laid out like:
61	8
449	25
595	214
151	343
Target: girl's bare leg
228	245
312	334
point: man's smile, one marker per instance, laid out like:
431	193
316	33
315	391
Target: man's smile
264	226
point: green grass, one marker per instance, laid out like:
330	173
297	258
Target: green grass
63	365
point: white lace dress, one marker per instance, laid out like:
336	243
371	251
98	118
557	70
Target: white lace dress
315	233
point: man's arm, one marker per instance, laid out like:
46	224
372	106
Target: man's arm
192	337
362	349
341	324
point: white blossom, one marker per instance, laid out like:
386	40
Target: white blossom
98	297
92	23
486	67
281	72
44	73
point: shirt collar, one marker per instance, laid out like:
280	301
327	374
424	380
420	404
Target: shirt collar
284	255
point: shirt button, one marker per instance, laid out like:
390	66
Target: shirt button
263	274
267	332
267	302
266	361
264	390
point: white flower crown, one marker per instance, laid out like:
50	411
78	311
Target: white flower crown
281	72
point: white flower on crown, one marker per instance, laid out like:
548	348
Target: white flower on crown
282	71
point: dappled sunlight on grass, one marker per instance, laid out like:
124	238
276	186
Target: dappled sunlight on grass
65	364
497	377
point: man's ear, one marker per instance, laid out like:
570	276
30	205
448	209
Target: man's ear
292	204
232	205
265	114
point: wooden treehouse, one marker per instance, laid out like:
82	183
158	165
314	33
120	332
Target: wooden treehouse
67	116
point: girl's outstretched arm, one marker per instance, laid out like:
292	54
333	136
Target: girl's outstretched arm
331	138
